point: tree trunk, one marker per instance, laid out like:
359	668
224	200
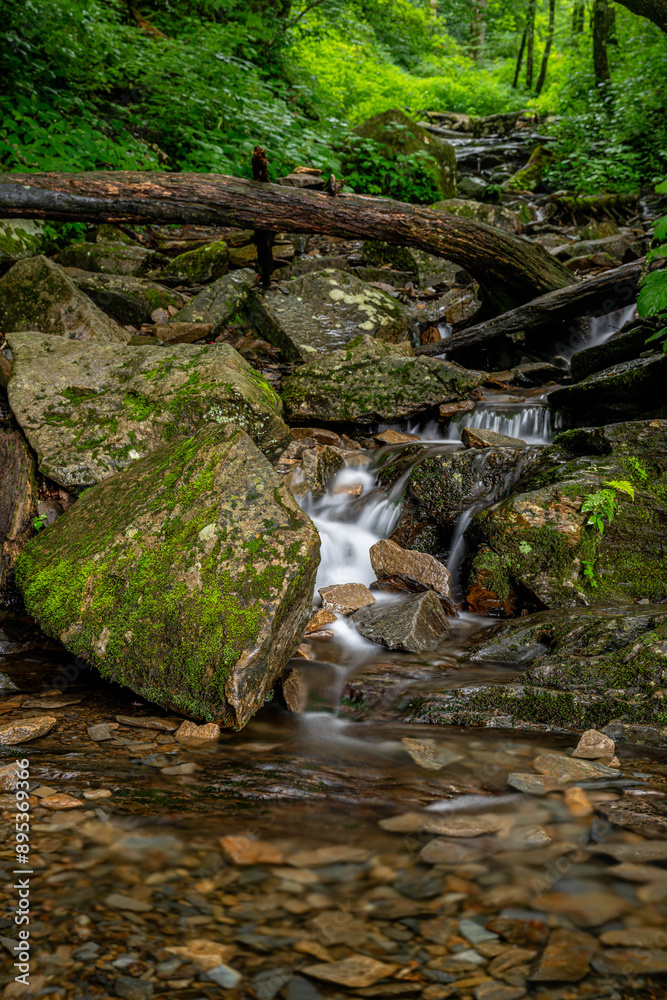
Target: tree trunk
478	29
609	291
530	41
600	31
510	269
547	47
578	14
519	58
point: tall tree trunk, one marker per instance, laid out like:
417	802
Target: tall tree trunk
478	29
510	269
600	30
578	14
547	47
530	43
519	59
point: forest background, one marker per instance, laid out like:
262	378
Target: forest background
196	84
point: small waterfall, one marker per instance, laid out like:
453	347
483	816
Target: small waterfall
533	424
601	328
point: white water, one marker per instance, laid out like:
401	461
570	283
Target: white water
533	424
601	328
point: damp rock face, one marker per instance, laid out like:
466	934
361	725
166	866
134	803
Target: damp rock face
36	294
415	625
187	577
128	299
218	302
108	258
18	499
323	311
90	410
369	380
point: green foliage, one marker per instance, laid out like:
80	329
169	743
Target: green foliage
40	522
601	505
589	572
652	298
371	169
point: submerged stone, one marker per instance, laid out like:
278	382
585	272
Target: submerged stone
90	410
370	381
323	311
36	294
414	625
187	577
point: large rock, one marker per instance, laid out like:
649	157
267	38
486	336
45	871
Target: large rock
90	410
624	391
220	301
618	247
625	345
537	542
128	299
187	577
36	294
325	310
108	258
492	215
19	238
400	135
415	625
389	559
370	381
201	265
18	500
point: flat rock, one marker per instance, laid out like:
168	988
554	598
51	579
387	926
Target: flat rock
243	850
415	625
146	722
90	410
566	957
534	784
23	730
191	731
36	294
567	769
219	302
636	937
649	818
128	299
480	437
593	745
320	619
355	971
441	851
429	754
631	961
9	776
499	991
200	266
345	598
370	381
119	901
182	333
458	825
224	976
389	559
108	258
322	311
60	801
136	579
205	954
589	908
331	854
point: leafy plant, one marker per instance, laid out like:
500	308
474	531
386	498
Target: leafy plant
40	522
652	298
589	572
370	168
601	505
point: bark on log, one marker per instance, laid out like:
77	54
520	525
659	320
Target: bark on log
510	269
597	296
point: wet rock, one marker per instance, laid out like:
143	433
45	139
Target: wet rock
566	769
188	731
400	583
395	437
534	784
170	611
243	850
182	333
200	266
19	238
146	722
91	410
345	598
636	937
320	434
128	299
628	390
9	776
415	625
224	976
18	500
644	816
204	953
492	215
529	177
447	852
320	619
587	908
60	801
641	735
429	754
456	306
519	931
445	825
355	971
130	988
615	246
566	957
372	381
536	373
219	302
330	854
631	961
23	730
323	311
317	470
398	135
36	294
479	437
498	991
388	559
108	258
594	745
625	345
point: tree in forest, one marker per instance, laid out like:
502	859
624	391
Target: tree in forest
600	38
478	29
547	47
530	43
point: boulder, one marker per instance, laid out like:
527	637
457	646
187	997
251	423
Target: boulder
492	215
219	302
424	267
622	346
128	299
480	437
389	559
187	577
18	500
415	625
90	410
345	598
624	391
36	294
529	177
537	541
19	238
200	266
323	311
502	123
400	135
620	248
108	258
370	381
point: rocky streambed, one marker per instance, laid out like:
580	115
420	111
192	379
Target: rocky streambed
441	687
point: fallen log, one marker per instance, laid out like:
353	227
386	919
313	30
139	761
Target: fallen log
596	297
510	269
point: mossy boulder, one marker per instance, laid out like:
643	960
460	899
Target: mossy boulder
18	499
492	215
625	345
186	578
369	381
529	177
424	267
108	258
19	238
220	301
36	294
91	410
198	267
537	542
399	135
128	299
323	311
626	390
